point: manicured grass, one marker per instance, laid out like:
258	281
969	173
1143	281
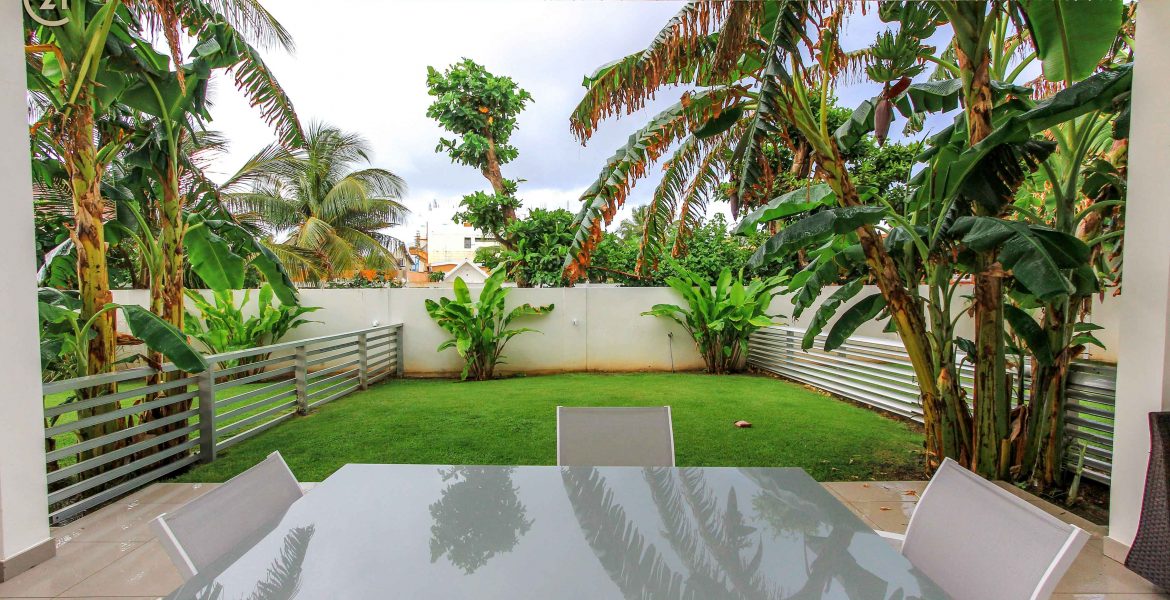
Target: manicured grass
513	422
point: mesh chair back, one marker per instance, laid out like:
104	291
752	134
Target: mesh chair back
214	524
1151	547
615	437
978	541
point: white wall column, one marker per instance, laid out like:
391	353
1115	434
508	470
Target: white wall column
24	517
1143	374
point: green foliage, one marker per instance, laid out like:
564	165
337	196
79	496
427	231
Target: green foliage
479	328
720	317
488	212
65	336
435	276
541	240
710	249
222	327
365	280
479	108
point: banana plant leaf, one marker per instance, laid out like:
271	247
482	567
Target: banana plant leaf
1028	330
833	221
163	337
1071	39
212	258
786	205
827	309
865	310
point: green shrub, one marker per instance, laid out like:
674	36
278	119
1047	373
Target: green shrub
480	329
720	317
221	325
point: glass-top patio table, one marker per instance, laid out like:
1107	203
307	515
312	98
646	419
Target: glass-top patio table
421	532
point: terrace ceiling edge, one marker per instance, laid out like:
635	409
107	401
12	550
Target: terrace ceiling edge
24	520
1143	374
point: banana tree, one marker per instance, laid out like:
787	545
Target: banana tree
1048	27
936	243
67	72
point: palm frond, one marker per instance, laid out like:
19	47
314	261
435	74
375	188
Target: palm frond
259	85
608	193
680	53
709	174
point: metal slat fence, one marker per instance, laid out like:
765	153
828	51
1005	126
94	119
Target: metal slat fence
878	373
102	442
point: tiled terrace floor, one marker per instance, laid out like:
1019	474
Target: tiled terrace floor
113	554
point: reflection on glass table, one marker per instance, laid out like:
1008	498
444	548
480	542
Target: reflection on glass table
419	531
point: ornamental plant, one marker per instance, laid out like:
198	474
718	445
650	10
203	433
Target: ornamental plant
720	317
479	329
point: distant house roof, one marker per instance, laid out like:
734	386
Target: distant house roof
469	271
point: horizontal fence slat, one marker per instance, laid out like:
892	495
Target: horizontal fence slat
109	457
122	469
242	423
117	436
106	476
228	400
257	430
117	414
69	407
266	375
120	489
241	410
335	396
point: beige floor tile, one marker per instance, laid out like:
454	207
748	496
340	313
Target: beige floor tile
74	562
1093	573
121	522
887	516
170	493
145	570
877	491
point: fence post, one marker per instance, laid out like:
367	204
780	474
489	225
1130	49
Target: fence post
206	384
399	354
363	363
301	374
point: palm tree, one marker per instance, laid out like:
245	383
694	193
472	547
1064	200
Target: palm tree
321	211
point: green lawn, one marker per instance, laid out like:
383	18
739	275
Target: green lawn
513	422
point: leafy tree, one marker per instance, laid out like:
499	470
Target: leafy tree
330	207
480	109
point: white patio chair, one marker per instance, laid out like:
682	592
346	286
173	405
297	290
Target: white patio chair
978	541
209	527
615	436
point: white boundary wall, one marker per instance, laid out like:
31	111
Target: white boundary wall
592	328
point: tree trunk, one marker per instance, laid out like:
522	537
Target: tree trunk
166	301
991	400
88	234
943	430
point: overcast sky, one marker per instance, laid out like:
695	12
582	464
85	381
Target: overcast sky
361	65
